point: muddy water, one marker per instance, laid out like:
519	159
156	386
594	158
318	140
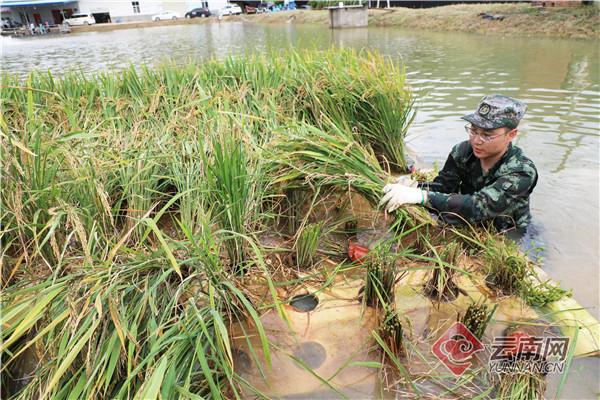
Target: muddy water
449	72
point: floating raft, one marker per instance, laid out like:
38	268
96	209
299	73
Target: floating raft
329	349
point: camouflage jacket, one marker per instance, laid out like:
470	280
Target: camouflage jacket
463	192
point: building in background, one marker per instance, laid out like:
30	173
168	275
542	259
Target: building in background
55	11
38	11
186	5
122	11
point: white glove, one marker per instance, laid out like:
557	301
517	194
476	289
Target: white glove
397	194
406	180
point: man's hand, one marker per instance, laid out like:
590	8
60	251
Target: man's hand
406	180
397	194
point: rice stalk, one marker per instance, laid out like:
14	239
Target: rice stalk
521	386
441	285
391	332
380	279
477	317
306	244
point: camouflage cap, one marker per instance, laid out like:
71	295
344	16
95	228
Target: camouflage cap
497	111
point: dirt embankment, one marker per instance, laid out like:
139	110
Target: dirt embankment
140	24
518	19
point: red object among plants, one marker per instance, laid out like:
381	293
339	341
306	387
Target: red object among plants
356	252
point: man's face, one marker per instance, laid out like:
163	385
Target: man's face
488	143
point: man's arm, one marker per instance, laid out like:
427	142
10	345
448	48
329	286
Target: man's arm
501	198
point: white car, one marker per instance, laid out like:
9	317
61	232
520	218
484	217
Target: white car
80	19
230	9
165	15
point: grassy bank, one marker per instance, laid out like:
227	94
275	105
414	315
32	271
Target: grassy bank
519	19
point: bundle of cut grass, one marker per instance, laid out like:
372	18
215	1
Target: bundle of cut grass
304	155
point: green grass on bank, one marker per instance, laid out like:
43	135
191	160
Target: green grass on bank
521	19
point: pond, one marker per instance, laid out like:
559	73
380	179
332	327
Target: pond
449	73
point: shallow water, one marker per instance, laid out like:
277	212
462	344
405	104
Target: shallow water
449	72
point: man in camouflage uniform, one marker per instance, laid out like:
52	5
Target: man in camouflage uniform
486	178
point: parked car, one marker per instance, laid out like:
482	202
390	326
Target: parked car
80	19
265	7
165	15
230	9
8	23
198	12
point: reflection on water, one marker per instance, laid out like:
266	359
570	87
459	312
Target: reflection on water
449	73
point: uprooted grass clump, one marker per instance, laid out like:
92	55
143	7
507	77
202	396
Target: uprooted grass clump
508	270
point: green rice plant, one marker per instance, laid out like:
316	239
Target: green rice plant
521	386
380	279
508	269
230	184
307	241
305	155
111	333
187	175
369	97
391	332
236	187
477	317
295	199
544	293
441	285
139	184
